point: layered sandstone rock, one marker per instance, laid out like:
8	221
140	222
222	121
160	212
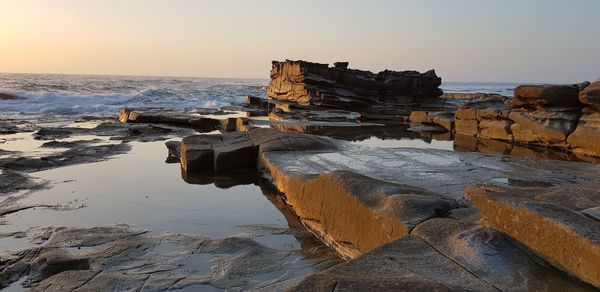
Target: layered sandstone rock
591	94
357	213
549	221
538	114
547	95
338	87
439	119
586	138
232	150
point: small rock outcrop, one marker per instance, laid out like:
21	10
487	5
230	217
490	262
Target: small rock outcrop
7	96
339	87
563	116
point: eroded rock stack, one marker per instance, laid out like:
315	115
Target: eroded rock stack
339	87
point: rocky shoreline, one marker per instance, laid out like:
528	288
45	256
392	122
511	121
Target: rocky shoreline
505	211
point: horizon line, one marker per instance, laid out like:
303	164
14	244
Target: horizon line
255	78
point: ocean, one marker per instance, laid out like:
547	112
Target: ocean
53	94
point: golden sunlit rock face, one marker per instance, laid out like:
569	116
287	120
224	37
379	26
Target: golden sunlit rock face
554	224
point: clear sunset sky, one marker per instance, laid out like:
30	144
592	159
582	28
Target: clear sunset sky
464	40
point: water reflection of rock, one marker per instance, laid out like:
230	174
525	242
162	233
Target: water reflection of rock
354	133
464	143
402	210
224	180
311	247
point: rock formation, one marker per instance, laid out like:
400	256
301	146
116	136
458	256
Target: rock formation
586	137
563	116
7	96
339	87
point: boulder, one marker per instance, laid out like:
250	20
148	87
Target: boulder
421	117
546	95
564	237
469	116
543	126
496	129
441	119
445	120
586	137
591	94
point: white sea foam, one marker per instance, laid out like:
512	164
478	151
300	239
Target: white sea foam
104	95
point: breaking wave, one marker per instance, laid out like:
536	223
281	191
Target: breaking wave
105	95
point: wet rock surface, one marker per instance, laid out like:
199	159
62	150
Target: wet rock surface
8	96
361	200
72	145
563	117
493	257
241	149
547	223
404	218
117	258
408	264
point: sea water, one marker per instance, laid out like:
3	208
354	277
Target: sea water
104	95
45	94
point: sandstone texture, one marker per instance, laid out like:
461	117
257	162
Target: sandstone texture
560	116
555	116
358	213
338	87
591	94
549	222
547	95
586	138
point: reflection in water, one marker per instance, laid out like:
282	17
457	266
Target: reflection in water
231	178
464	143
140	189
397	136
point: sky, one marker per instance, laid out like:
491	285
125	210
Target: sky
463	40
